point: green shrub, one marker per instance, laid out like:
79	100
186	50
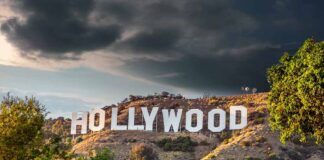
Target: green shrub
259	120
184	144
103	154
142	152
53	148
297	90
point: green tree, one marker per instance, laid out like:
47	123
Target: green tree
296	98
21	122
58	127
53	148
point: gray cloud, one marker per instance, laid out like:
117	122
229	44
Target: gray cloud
219	44
220	73
121	11
152	41
57	27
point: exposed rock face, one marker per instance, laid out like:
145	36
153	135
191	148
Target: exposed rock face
254	141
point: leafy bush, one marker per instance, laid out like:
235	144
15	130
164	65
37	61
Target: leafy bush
296	98
259	120
53	148
184	144
257	117
103	154
21	122
142	152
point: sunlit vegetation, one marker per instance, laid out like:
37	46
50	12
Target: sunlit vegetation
296	98
21	122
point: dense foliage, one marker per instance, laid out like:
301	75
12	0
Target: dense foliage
103	154
21	122
296	98
25	134
184	144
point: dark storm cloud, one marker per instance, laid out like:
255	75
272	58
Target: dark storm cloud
56	27
122	11
151	41
215	16
223	44
223	73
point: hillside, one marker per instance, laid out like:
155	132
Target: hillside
254	141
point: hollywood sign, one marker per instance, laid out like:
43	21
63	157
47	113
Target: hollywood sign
171	119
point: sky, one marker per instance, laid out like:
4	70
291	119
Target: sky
76	55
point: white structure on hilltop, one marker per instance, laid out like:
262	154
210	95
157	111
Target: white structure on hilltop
247	89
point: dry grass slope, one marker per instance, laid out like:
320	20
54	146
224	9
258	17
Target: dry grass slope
254	141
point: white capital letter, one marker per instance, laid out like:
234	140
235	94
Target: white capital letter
114	123
233	110
131	120
102	115
211	120
199	125
171	119
149	119
83	122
